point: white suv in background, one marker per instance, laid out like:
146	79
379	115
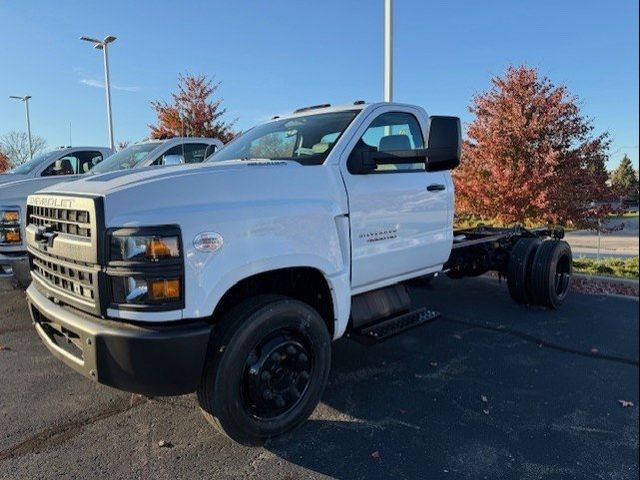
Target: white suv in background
58	162
69	163
172	151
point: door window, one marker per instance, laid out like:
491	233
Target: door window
74	163
390	132
211	149
192	153
87	160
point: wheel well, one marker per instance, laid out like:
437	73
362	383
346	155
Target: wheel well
302	283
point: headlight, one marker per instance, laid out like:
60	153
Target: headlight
10	226
138	290
146	267
144	248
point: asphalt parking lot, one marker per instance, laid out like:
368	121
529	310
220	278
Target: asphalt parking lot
490	390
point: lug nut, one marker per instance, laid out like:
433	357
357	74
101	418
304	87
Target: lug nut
275	357
291	350
265	376
302	358
267	394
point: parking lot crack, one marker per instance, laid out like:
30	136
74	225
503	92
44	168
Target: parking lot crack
59	434
543	343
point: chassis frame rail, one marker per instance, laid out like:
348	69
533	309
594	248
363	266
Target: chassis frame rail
484	248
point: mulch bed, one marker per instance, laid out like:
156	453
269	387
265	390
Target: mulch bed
594	286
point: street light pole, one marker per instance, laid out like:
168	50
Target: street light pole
104	46
388	50
25	99
105	50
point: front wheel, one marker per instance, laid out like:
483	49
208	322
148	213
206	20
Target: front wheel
267	366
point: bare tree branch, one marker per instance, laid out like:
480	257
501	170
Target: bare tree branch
15	145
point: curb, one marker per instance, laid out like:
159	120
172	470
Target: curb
627	282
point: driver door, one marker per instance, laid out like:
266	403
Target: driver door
399	214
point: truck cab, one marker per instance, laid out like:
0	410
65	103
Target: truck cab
70	163
62	161
231	278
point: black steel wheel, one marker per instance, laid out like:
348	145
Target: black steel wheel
551	273
277	374
267	366
519	269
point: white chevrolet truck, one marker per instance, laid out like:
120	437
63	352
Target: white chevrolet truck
231	278
68	163
41	171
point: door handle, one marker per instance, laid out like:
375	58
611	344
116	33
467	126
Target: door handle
436	187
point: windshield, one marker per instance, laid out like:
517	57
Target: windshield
307	139
27	167
125	159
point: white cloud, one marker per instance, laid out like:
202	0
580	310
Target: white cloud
91	82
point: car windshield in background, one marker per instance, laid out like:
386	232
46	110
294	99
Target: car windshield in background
125	159
305	139
27	167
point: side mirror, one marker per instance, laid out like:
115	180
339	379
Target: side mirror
173	160
443	152
444	144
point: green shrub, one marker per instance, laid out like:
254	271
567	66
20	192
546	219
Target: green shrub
615	267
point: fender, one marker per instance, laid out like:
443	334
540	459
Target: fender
339	284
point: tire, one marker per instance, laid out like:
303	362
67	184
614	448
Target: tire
551	273
519	270
267	344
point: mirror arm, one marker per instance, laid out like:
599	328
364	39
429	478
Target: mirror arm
396	157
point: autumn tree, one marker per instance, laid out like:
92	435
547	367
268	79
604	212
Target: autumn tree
624	180
530	154
5	164
15	145
192	113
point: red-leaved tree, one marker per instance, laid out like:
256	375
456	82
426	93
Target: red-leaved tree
192	113
4	162
530	155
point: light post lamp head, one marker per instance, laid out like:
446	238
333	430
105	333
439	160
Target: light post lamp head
99	44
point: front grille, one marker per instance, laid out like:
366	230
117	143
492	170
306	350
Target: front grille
78	281
62	220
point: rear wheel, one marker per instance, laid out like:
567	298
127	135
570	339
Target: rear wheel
551	273
519	269
267	366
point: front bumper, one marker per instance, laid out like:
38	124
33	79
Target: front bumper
151	360
15	265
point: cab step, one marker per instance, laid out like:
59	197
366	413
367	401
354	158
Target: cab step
389	327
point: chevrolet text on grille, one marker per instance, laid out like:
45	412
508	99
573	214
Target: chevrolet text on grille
51	202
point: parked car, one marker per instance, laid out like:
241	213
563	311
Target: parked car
69	163
231	278
43	170
59	162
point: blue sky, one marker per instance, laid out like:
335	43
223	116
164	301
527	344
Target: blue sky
274	56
